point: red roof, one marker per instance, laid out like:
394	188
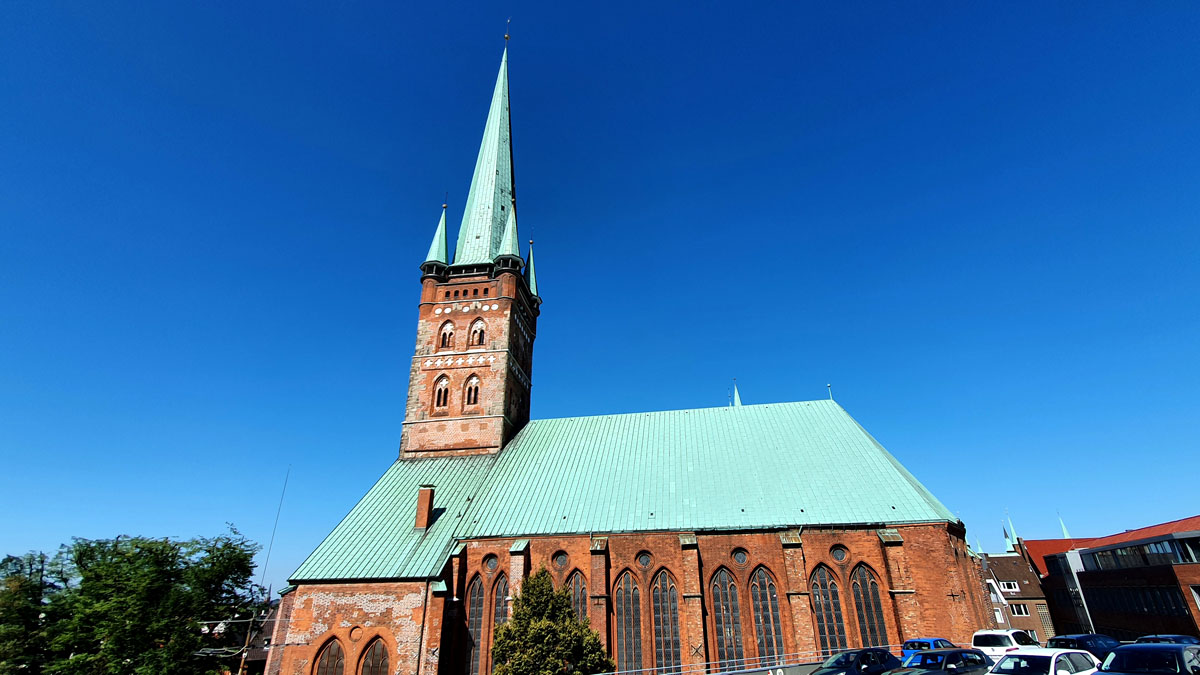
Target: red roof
1039	548
1191	524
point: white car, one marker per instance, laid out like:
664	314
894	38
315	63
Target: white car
1044	661
997	643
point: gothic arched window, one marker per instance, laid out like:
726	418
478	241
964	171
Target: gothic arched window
500	598
331	661
478	333
578	587
441	392
871	625
665	606
827	608
446	336
628	609
375	662
727	617
767	628
471	393
475	621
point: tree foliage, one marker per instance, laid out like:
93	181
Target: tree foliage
545	637
126	605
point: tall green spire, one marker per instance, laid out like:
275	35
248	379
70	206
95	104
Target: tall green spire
508	243
491	195
530	275
437	248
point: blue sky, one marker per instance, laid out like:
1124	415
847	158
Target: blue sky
978	221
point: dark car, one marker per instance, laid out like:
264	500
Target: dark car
956	661
1169	640
1156	658
1099	645
871	661
915	645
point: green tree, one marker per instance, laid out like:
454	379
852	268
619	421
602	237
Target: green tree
130	605
545	637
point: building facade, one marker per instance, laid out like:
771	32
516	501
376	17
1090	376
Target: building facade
715	538
1017	598
1126	585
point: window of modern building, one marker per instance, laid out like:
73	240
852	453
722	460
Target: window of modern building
332	660
827	608
871	625
500	601
1010	586
727	621
578	587
475	621
767	628
627	601
1019	609
664	602
375	659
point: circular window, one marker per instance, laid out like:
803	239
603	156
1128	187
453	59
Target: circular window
560	559
644	560
740	556
491	563
839	553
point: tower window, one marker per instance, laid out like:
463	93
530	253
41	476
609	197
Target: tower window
475	292
441	393
456	294
472	393
446	339
485	292
447	295
478	334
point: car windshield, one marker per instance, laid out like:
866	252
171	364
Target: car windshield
925	661
839	660
992	640
1142	661
1023	638
1023	665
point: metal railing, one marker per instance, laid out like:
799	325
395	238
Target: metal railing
750	664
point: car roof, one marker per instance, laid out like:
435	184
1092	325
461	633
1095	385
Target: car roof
926	639
1043	651
1079	635
1002	631
1144	646
948	650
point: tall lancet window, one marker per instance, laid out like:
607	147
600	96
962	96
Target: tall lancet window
500	602
870	610
767	628
827	608
628	610
665	604
578	594
332	660
375	662
475	621
727	621
478	333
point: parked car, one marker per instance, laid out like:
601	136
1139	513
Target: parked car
871	661
915	645
954	661
995	643
1045	661
1169	639
1153	657
1099	645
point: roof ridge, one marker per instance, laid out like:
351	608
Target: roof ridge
683	410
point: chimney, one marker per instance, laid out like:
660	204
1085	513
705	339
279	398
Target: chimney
424	507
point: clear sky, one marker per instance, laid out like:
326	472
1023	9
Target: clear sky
978	221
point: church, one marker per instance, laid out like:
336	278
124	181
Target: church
669	529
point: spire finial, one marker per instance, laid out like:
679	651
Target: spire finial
506	24
829	386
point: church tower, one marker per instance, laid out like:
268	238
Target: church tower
469	383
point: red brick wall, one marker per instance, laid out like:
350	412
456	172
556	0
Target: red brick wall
502	364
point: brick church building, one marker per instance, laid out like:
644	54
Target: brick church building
673	531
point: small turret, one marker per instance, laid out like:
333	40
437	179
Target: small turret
438	259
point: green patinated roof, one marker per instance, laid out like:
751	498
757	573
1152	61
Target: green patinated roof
437	248
530	274
778	465
491	194
509	245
